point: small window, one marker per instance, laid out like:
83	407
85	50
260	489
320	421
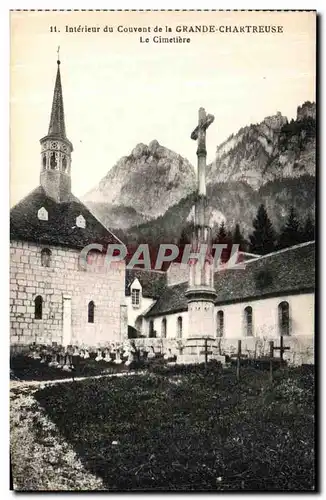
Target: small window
94	258
64	163
46	257
248	321
42	214
163	328
284	318
91	312
38	307
44	162
179	327
135	297
220	324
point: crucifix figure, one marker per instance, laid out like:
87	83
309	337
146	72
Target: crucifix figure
199	134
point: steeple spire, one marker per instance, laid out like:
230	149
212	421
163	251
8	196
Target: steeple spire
57	120
56	149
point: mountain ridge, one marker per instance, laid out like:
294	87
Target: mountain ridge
272	162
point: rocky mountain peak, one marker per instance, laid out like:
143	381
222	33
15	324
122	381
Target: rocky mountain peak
267	151
307	110
150	179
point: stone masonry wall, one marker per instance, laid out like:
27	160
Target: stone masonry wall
104	286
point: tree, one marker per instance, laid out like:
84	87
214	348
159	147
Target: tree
238	238
308	231
263	237
291	233
186	234
222	233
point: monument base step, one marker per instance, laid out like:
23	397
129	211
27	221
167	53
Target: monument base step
199	350
191	359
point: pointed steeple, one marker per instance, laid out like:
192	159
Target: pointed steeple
56	150
57	120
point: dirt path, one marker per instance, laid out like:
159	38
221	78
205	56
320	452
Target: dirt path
37	383
41	458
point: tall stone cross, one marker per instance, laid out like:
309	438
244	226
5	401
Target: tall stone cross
199	134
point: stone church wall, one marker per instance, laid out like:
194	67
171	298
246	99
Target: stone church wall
64	278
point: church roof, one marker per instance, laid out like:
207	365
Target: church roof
152	282
287	271
57	120
60	228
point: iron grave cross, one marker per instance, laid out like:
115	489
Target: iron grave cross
204	121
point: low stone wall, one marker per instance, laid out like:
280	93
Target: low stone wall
301	347
157	345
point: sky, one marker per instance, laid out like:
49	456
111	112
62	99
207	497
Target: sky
119	92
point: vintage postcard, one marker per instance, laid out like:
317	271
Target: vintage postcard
162	250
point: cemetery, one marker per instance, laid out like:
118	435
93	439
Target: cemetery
150	424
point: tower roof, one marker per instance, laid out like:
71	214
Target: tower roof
57	121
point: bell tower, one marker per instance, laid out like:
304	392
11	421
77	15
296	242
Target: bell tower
56	149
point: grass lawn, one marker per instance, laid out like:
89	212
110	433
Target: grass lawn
192	431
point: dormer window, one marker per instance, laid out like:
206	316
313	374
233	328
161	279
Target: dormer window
135	297
42	214
80	221
136	292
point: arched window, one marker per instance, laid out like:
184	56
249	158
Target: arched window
53	161
94	259
46	257
163	328
38	306
91	312
220	324
179	327
284	318
64	163
248	321
151	328
44	162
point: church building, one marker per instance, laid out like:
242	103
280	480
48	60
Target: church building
56	298
271	296
53	297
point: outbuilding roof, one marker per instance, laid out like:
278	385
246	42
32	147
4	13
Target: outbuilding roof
287	271
152	282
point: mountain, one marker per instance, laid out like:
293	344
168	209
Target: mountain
267	151
149	195
272	162
142	185
116	216
232	202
